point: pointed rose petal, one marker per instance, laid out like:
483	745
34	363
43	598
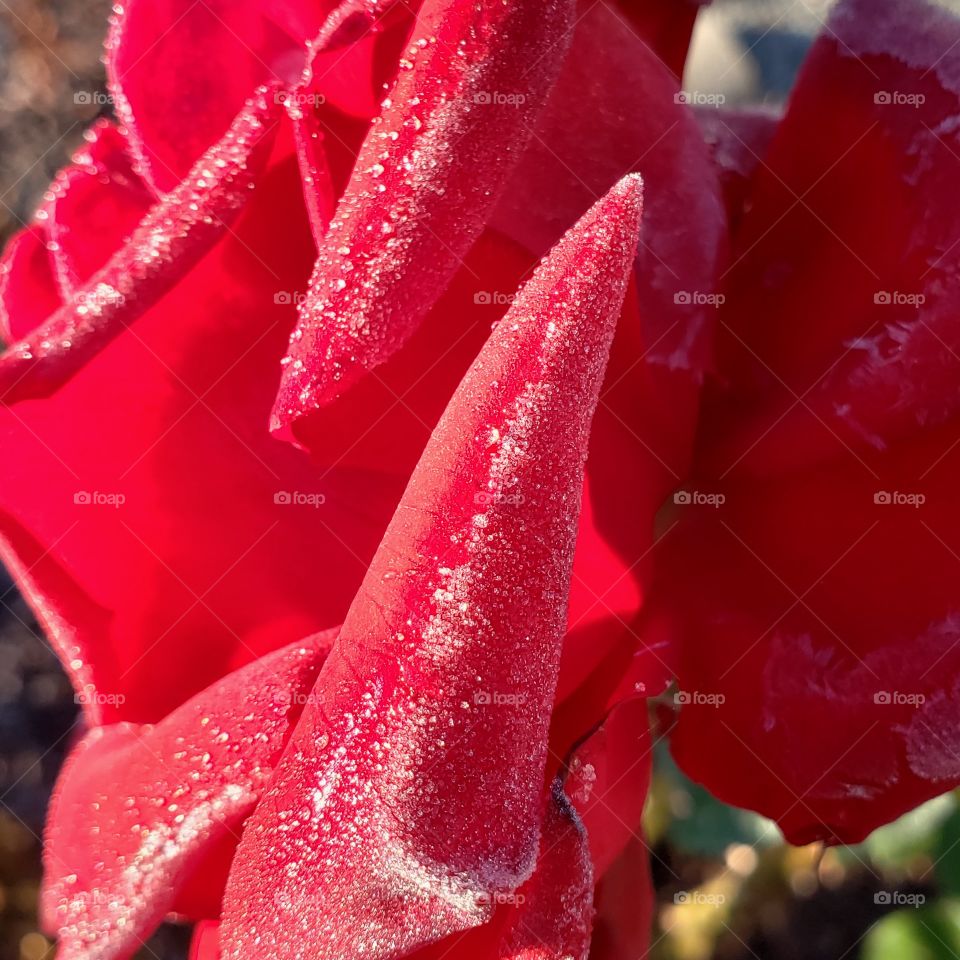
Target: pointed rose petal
409	797
93	206
472	80
176	232
614	110
175	104
29	291
138	808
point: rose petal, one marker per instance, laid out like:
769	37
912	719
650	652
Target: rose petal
28	286
449	655
422	187
625	903
93	206
816	619
738	140
170	239
666	25
554	912
214	553
608	779
175	104
615	110
138	808
851	232
205	944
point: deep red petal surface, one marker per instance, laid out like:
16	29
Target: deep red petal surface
169	240
817	603
409	797
472	80
138	808
174	103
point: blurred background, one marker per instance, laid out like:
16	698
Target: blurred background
727	885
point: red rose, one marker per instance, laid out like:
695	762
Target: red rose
303	229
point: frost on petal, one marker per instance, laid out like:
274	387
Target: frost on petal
409	797
553	911
175	104
815	615
614	111
146	509
29	292
472	79
92	207
738	139
846	285
173	235
139	808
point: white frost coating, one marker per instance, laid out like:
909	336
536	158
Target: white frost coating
876	28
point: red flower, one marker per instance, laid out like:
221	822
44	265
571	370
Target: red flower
176	553
308	231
